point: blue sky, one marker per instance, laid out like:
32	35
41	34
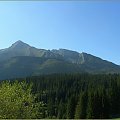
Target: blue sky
90	26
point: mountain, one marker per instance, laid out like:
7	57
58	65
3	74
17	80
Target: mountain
21	59
20	48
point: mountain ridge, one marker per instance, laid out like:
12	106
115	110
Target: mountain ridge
21	60
20	44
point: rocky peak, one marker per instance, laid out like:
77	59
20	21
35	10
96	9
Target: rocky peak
19	44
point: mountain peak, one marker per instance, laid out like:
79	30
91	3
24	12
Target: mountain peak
19	41
19	44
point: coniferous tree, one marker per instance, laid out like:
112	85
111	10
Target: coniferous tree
57	91
80	112
50	108
61	111
71	108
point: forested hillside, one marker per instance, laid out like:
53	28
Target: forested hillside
76	95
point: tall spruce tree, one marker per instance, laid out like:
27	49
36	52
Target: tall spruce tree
71	107
61	111
80	112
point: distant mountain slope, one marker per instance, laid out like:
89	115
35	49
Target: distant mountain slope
27	66
94	64
21	60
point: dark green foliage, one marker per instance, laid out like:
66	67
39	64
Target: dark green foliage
61	110
79	96
98	104
71	107
50	108
81	107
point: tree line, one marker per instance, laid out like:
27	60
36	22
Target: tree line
63	96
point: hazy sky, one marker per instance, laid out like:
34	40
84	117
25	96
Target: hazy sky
92	27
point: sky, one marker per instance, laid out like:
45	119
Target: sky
84	26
